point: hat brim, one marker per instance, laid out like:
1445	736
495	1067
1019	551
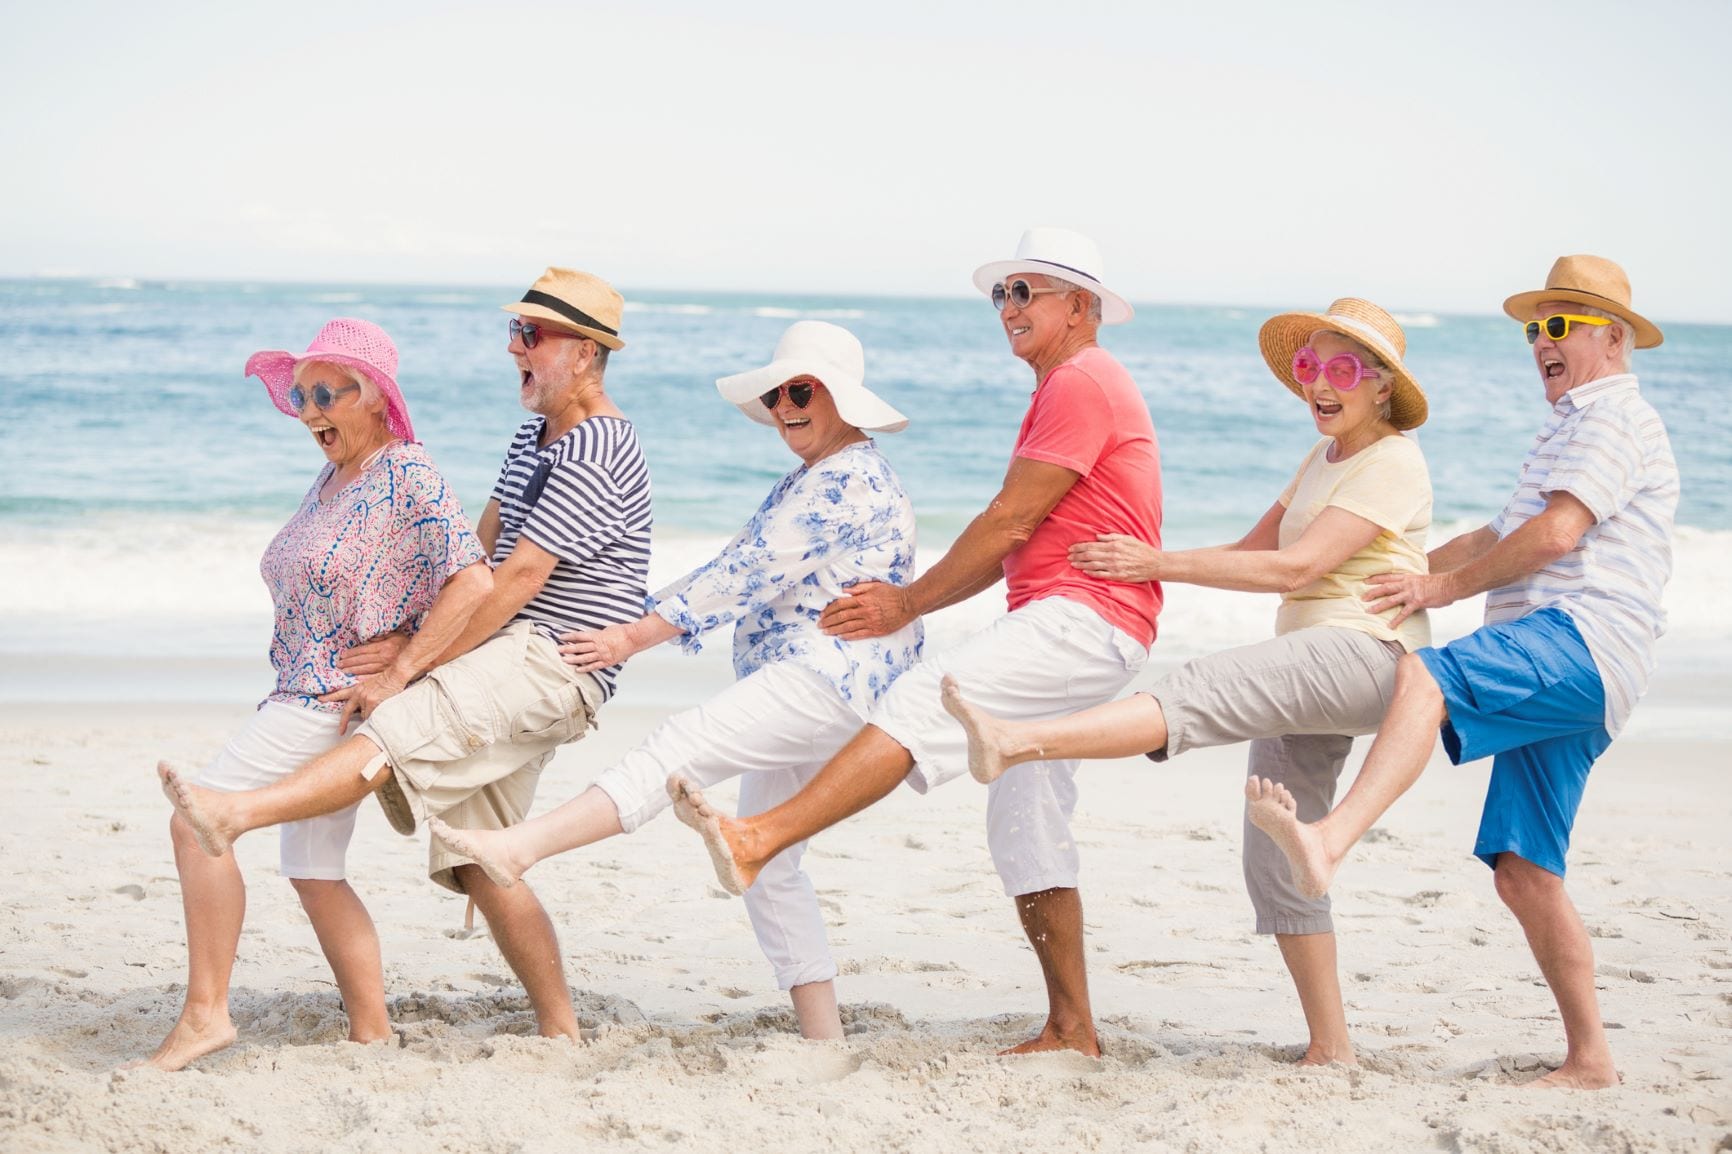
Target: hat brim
855	403
543	313
276	368
1521	308
1115	309
1282	336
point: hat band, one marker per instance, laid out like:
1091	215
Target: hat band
569	312
1085	275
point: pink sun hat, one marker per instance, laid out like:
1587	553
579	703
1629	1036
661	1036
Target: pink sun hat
359	345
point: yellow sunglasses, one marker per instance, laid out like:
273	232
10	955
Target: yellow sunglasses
1557	326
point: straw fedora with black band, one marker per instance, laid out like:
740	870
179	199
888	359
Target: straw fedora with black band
575	301
1357	320
1587	280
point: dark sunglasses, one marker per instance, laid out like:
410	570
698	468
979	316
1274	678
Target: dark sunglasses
531	333
323	395
1018	292
800	394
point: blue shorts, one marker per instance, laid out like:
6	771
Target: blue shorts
1527	694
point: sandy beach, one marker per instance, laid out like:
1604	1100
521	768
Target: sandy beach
690	1045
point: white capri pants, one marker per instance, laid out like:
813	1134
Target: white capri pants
275	742
1045	660
776	727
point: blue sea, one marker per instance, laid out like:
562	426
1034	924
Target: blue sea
143	473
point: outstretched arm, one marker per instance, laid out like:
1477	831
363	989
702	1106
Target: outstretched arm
1253	564
873	609
1549	535
588	650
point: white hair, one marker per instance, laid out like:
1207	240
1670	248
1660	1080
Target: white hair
371	398
1094	312
1629	346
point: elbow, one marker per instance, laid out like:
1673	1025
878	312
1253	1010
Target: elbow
1558	542
1291	575
477	582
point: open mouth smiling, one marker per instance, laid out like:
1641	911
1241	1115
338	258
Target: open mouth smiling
326	435
1551	367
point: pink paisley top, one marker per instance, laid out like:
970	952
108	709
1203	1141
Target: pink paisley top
367	561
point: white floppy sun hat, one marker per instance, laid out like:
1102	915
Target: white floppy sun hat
1058	252
829	353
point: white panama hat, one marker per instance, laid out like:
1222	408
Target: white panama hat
1058	252
828	352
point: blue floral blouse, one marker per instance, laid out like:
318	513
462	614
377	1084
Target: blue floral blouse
822	528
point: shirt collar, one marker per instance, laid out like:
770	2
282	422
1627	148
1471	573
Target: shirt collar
1582	396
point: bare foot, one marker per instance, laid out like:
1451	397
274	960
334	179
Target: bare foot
489	849
733	869
987	751
201	810
1081	1039
1317	1054
1577	1076
187	1043
1273	810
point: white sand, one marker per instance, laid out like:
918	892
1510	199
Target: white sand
692	1046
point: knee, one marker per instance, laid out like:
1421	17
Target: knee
1414	684
1521	884
313	891
180	833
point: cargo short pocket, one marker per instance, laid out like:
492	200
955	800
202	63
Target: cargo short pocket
560	717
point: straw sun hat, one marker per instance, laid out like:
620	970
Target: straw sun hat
574	301
829	353
1358	320
1587	280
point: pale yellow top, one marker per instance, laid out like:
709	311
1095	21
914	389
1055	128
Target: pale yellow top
1387	484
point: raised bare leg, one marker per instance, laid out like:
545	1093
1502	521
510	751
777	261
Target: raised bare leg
351	944
1117	729
1398	756
1053	921
326	784
1311	961
815	1010
1561	946
214	900
507	854
525	936
862	772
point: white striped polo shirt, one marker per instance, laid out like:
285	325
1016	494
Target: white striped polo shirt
593	513
1607	447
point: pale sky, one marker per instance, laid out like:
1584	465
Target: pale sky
1428	156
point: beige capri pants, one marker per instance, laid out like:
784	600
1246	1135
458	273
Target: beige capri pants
1299	699
468	741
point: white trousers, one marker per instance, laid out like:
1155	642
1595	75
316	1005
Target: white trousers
1047	659
777	728
276	741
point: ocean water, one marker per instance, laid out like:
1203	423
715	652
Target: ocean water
142	474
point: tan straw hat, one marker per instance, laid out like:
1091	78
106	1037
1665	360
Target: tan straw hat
1587	280
575	301
1357	320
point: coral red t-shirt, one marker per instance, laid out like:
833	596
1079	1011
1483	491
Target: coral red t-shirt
1087	416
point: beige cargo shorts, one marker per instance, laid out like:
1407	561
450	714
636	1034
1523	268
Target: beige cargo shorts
467	743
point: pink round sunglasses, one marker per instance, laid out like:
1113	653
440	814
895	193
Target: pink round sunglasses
1343	371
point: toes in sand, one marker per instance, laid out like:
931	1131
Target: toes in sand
691	808
483	848
188	802
985	749
1273	810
